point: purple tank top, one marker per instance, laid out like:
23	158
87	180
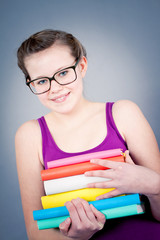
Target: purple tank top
52	152
129	228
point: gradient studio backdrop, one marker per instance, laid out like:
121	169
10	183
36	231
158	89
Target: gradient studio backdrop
122	39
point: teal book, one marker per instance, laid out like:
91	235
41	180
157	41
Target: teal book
107	203
109	214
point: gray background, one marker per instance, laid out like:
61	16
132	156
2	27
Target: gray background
123	43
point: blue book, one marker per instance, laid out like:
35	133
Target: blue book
109	214
107	203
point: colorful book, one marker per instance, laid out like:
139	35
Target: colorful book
75	169
109	214
71	183
64	180
107	203
84	158
88	194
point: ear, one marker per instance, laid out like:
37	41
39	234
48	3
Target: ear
28	80
83	66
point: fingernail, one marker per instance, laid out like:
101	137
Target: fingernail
98	198
67	203
101	225
67	220
61	225
120	167
89	185
92	205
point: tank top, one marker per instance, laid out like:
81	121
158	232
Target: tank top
51	151
140	227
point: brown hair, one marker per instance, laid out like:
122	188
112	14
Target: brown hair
45	39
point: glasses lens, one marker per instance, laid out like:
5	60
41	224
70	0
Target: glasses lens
40	85
65	76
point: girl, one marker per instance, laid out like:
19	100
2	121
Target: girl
54	64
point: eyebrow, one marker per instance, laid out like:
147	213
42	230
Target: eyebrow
59	69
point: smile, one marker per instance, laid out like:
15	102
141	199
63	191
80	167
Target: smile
61	98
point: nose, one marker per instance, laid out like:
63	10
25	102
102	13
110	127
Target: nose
55	87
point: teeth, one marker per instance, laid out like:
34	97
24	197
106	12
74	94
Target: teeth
61	98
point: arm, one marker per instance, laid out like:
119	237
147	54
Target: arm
29	166
143	176
138	134
143	148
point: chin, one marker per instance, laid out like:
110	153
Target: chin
61	108
65	107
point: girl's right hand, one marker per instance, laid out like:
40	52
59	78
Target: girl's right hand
84	220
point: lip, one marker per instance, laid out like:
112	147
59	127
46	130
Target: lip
60	98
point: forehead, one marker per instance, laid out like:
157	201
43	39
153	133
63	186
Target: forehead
46	62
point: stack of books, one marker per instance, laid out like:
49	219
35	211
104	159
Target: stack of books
64	180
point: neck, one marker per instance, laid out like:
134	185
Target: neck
78	113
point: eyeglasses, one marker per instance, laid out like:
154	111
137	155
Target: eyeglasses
62	77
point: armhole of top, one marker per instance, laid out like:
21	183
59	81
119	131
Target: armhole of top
46	135
43	138
111	122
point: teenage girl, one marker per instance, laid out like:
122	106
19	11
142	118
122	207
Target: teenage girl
54	64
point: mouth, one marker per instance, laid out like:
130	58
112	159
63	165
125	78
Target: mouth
61	98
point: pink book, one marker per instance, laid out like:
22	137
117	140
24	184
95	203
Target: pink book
85	158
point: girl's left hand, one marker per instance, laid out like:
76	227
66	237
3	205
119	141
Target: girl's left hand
126	177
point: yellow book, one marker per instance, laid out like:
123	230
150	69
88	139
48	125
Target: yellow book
58	200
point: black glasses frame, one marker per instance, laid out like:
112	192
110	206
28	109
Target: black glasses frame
53	78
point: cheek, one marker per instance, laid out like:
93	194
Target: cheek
78	85
42	98
77	91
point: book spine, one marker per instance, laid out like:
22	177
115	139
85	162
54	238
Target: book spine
107	203
122	211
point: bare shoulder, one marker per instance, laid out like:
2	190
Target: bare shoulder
137	132
125	107
122	111
128	115
28	139
30	128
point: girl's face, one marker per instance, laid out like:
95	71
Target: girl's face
60	99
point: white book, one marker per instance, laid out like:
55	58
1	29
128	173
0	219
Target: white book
70	183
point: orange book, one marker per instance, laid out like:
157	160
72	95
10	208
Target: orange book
75	169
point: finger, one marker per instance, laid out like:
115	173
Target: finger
100	216
128	159
101	173
106	163
110	194
80	209
72	211
64	226
88	210
107	184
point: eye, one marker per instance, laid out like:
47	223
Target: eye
63	73
41	81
